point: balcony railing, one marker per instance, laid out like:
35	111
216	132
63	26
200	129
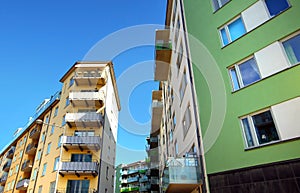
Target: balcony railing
144	179
181	171
22	184
35	133
6	166
129	189
81	142
145	188
31	149
132	179
87	98
163	52
3	179
26	166
10	152
78	168
92	78
84	119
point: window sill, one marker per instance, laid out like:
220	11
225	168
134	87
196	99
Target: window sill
256	82
271	143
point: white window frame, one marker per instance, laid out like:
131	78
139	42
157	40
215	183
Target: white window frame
225	26
252	129
239	75
283	49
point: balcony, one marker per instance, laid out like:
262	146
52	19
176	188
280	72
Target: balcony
3	179
154	183
90	77
27	166
143	179
78	168
81	142
132	179
130	189
10	153
84	119
157	110
87	98
22	184
31	149
181	175
153	155
6	166
163	53
35	133
77	190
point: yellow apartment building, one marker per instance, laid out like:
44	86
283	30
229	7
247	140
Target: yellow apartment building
69	144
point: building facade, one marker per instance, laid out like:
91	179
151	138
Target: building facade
69	144
243	59
134	178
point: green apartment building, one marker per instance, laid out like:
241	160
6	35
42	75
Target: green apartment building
243	58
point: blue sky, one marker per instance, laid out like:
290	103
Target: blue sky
40	40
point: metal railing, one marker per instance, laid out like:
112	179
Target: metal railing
26	164
86	167
88	74
30	147
34	131
92	140
84	117
77	190
22	183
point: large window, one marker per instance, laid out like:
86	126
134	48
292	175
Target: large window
219	3
183	85
276	6
78	186
244	74
186	122
81	158
232	31
259	129
292	49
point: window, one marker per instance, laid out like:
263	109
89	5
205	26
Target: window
81	158
84	133
276	6
232	31
56	161
52	129
219	3
47	119
63	120
187	120
259	129
43	137
21	153
12	184
67	101
40	189
107	169
48	148
292	49
244	74
71	82
38	157
55	111
44	169
10	172
179	57
52	187
81	186
17	169
174	119
176	148
59	141
183	85
174	11
34	174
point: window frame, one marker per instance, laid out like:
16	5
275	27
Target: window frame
220	6
268	11
227	31
253	131
284	50
239	75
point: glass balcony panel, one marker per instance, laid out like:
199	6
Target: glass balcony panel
79	168
22	184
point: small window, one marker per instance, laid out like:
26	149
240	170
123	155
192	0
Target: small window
71	82
244	74
219	3
59	141
55	111
187	120
107	169
43	137
40	189
48	148
176	148
174	120
232	31
276	6
52	187
44	169
47	119
34	174
52	129
179	57
56	161
67	101
259	129
292	49
38	157
183	85
63	120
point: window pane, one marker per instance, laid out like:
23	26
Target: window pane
292	49
247	132
236	29
216	4
234	79
224	37
276	6
265	127
249	72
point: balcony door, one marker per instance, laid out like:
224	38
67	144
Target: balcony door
78	186
84	133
